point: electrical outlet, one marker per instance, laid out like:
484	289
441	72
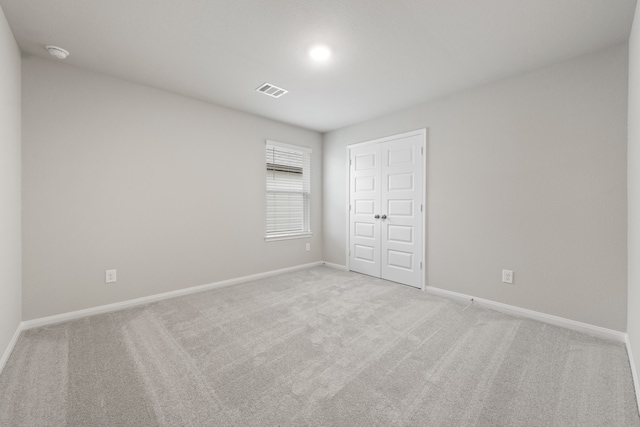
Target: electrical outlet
109	276
507	276
308	246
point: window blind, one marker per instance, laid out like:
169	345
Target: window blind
288	190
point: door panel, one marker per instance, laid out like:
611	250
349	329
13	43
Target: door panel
398	259
364	207
400	207
364	229
365	253
400	182
401	234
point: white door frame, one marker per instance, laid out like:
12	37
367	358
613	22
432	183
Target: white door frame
419	132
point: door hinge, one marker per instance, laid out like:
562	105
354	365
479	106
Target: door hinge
420	265
349	207
422	150
421	207
349	161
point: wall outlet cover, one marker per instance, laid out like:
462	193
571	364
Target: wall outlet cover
507	276
109	276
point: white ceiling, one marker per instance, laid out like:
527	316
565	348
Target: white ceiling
389	54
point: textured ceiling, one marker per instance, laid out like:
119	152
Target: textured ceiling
389	54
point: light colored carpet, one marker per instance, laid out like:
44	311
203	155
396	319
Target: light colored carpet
315	347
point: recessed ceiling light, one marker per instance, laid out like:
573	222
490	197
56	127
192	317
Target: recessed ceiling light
319	52
57	52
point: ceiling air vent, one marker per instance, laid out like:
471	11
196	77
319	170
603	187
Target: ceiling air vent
271	90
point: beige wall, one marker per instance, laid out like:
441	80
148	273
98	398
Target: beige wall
527	174
168	190
633	182
10	228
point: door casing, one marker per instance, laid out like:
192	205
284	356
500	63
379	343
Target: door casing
423	134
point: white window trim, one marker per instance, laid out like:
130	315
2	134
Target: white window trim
303	234
288	146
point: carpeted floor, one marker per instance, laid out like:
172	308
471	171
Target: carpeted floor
316	347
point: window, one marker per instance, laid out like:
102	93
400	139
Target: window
288	191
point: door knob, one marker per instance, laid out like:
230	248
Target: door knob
383	217
377	216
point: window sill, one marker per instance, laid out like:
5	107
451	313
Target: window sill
288	237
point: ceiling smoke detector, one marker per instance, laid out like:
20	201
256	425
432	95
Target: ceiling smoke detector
57	52
271	90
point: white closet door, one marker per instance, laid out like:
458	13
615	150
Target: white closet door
386	220
364	228
402	219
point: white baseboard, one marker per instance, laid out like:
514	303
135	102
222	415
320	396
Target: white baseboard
9	349
634	371
586	328
336	266
58	318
